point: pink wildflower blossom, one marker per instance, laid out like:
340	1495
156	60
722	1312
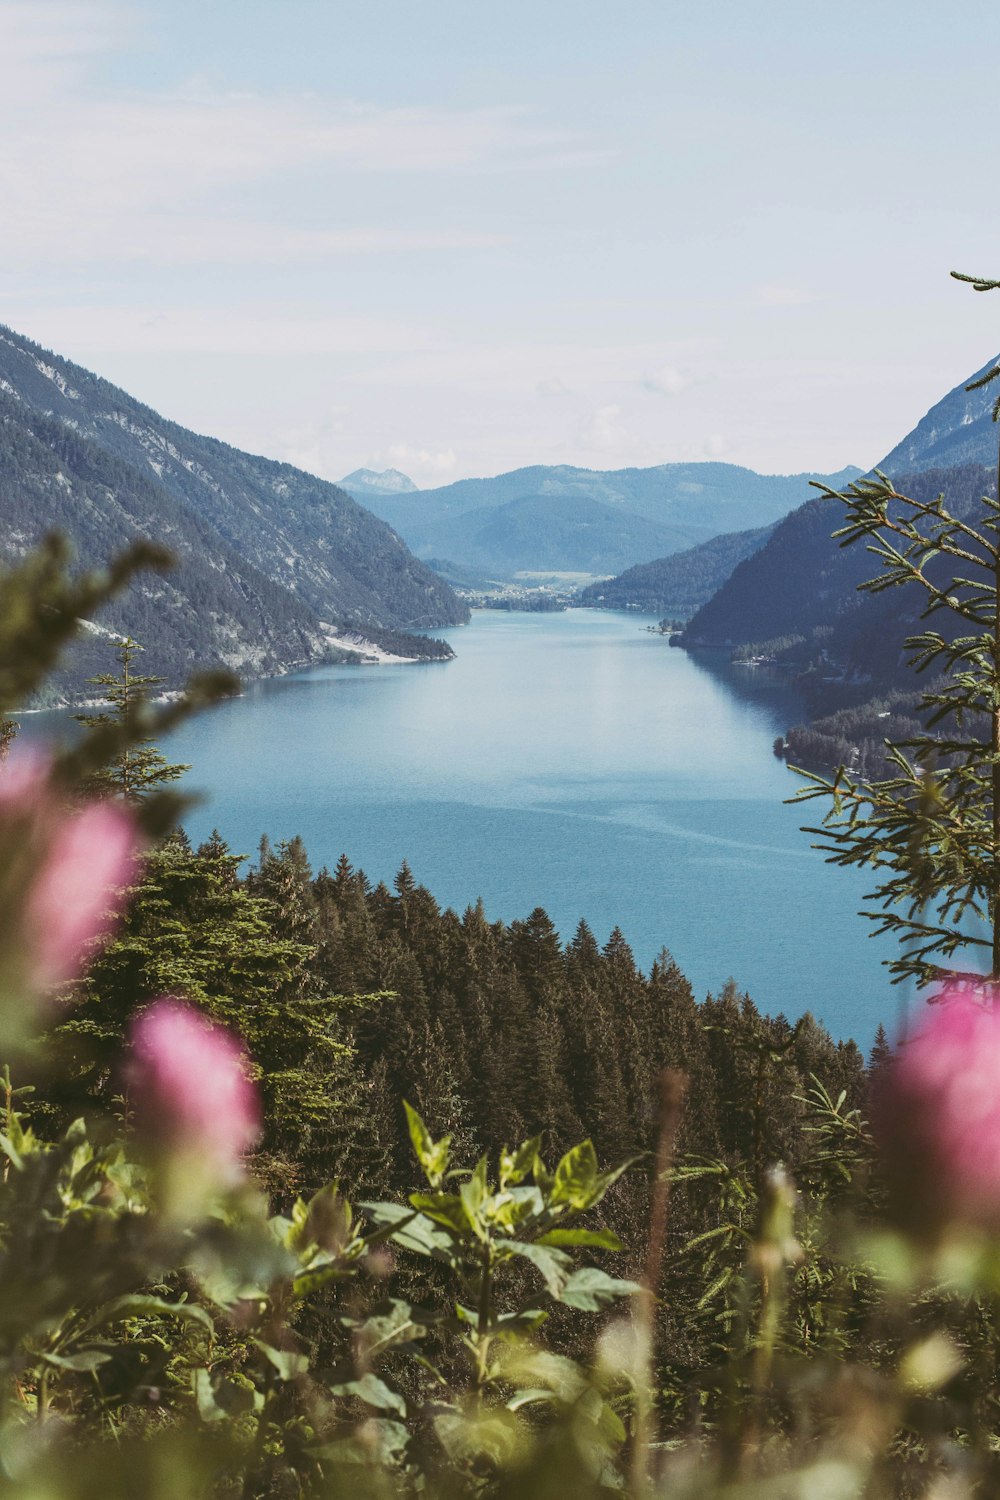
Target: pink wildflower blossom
938	1117
64	867
190	1086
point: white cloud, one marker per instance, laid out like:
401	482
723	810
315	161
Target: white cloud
317	448
428	465
667	381
603	430
553	386
47	32
92	175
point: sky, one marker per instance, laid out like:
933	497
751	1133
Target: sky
454	238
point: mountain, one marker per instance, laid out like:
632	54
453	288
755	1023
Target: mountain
958	430
364	482
562	533
800	579
796	600
678	585
274	563
486	523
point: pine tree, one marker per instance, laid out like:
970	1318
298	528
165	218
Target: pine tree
139	768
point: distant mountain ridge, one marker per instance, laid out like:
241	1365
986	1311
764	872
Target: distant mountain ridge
274	562
590	520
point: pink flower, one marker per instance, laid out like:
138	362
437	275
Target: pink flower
938	1117
190	1086
64	869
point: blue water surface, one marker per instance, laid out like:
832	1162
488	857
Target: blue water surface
573	761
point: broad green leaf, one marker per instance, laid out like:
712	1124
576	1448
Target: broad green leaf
310	1281
514	1207
382	1330
373	1391
219	1399
595	1239
412	1231
444	1208
432	1155
576	1179
474	1194
138	1305
554	1264
515	1166
529	1398
204	1394
391	1440
11	1152
590	1289
288	1362
83	1359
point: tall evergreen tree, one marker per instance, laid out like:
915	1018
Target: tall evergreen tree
139	768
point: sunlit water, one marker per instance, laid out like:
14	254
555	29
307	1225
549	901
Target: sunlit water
572	761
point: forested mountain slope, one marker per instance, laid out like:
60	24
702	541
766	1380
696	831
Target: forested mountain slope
214	608
566	533
800	579
272	560
678	585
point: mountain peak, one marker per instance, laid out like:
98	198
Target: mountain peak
388	482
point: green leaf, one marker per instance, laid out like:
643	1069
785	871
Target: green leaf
576	1177
530	1398
83	1359
595	1239
444	1208
415	1231
474	1194
391	1440
590	1289
219	1398
310	1281
554	1264
204	1394
432	1155
139	1305
373	1391
10	1151
288	1362
382	1330
515	1166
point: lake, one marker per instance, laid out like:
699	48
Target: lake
573	761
